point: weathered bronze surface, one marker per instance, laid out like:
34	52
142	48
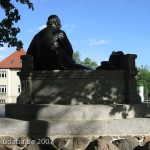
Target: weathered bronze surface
51	48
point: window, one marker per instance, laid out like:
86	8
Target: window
19	89
2	88
2	74
11	61
2	101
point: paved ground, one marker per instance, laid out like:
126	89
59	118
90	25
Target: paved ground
2	110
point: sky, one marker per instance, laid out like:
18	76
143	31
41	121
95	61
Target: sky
95	28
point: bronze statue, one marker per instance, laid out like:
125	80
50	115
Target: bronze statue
51	48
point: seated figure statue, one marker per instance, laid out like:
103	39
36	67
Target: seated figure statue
51	49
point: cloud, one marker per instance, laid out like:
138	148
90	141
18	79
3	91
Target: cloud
1	56
36	29
92	42
69	27
41	27
3	48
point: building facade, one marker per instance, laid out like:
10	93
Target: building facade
10	86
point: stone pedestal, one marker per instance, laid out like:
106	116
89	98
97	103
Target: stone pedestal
78	87
78	120
65	104
101	86
77	112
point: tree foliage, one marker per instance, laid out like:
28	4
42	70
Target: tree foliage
144	79
87	62
76	56
8	32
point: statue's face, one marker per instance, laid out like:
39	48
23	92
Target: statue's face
55	22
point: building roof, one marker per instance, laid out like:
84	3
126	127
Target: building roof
13	60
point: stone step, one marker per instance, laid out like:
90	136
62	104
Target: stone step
76	112
63	128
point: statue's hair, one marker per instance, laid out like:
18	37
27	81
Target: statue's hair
54	20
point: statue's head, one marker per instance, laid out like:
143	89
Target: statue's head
54	20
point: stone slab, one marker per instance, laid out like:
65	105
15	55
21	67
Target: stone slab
60	128
76	112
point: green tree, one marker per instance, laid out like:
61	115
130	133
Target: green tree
76	56
87	62
8	32
144	78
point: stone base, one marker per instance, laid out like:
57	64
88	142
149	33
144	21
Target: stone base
76	112
79	126
63	128
137	142
77	120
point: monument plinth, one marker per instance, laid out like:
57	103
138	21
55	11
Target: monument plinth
101	86
78	87
79	103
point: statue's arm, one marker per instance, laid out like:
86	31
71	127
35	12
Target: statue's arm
65	43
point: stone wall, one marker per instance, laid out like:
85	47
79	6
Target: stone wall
129	142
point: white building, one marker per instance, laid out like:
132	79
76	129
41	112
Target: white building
10	86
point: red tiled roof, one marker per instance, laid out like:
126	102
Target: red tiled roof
13	60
